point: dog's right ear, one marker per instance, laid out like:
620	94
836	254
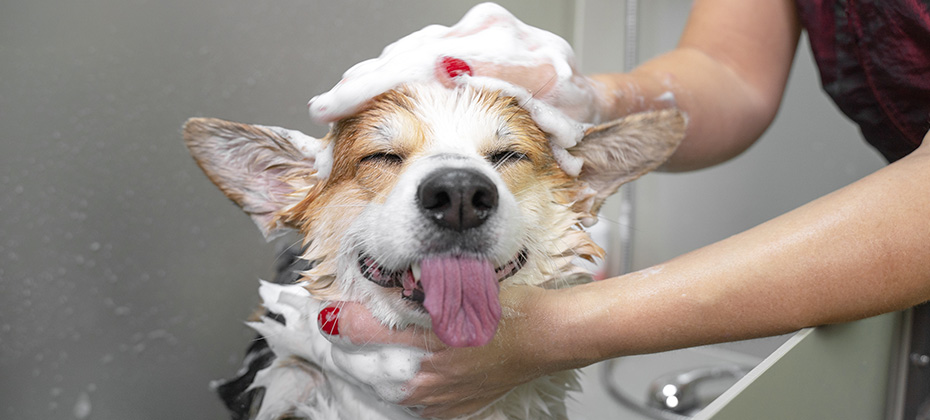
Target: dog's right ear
622	150
262	169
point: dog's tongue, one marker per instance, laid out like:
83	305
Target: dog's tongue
462	299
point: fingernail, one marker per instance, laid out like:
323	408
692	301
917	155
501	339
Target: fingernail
328	319
454	67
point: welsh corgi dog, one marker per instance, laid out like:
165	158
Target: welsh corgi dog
422	205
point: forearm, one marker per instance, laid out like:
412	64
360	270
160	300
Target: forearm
728	75
858	252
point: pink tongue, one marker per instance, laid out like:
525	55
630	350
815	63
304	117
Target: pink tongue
462	299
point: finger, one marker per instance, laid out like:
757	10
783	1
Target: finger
448	69
538	80
354	322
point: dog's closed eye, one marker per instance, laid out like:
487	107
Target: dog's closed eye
383	158
505	157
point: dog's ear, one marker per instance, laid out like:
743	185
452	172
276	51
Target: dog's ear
259	168
622	150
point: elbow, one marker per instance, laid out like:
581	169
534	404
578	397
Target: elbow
724	122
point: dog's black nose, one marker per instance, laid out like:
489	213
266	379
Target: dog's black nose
457	199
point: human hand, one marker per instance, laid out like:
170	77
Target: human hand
488	45
457	381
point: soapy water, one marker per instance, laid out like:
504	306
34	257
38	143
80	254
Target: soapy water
487	37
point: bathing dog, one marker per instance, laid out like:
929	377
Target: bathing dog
421	205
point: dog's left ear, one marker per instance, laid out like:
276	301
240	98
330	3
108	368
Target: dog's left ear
259	168
622	150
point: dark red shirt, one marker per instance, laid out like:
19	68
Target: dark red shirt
874	60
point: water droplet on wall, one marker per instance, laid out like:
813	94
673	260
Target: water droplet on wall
82	407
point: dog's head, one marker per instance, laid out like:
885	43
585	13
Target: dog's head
429	199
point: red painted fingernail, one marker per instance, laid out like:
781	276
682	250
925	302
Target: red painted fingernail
328	320
454	67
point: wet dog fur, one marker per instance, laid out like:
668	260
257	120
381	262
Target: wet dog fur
356	198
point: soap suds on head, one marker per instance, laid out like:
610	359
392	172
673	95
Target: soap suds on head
488	34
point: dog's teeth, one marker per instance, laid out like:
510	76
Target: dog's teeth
415	269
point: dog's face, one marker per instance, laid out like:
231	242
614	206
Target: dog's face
429	200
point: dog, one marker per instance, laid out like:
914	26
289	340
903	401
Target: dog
422	205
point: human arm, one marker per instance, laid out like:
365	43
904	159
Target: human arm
728	74
860	251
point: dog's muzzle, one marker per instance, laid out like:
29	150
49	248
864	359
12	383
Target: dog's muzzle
408	279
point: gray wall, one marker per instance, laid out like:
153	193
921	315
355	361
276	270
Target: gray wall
125	275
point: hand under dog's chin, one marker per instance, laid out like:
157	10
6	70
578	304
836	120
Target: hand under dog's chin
388	305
